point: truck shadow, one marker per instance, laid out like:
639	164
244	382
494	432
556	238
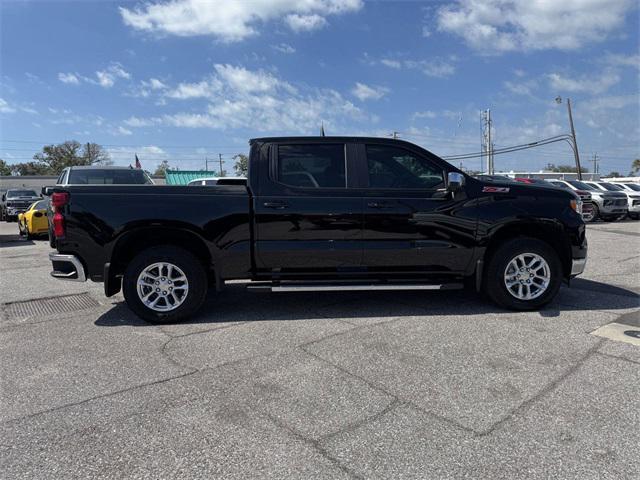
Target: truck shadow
235	304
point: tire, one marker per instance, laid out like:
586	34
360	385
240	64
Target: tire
496	273
186	264
609	218
596	212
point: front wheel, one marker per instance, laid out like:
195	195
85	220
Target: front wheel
165	284
523	274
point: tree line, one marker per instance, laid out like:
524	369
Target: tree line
55	158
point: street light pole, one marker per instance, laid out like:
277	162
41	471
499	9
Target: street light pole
573	136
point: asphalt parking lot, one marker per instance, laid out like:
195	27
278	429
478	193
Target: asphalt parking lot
335	385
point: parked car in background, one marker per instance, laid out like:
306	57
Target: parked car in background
100	175
16	201
588	211
96	175
610	187
607	206
633	193
217	181
33	222
532	181
322	214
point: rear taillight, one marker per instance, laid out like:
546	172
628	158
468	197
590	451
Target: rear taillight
58	201
58	225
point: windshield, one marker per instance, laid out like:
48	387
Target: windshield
21	193
633	186
98	176
611	187
41	205
581	185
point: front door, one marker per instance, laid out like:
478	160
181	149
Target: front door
307	218
411	223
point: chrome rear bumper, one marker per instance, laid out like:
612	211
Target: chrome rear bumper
67	267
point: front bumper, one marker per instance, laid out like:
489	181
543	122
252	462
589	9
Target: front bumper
578	265
67	267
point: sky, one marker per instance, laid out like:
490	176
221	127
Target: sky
188	80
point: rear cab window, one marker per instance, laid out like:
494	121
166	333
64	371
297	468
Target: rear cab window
108	177
311	165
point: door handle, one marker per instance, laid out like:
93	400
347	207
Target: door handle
379	205
276	205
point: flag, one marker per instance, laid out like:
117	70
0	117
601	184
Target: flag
138	164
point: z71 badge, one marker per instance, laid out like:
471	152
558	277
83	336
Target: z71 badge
495	189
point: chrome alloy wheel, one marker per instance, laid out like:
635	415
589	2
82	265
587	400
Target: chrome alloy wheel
527	276
162	287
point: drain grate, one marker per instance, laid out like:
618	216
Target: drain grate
49	306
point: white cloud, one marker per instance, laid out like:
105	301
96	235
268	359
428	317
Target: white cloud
621	60
425	114
254	99
595	84
435	67
231	20
5	107
305	23
525	87
123	131
107	78
495	26
368	92
284	48
203	89
69	78
154	84
387	62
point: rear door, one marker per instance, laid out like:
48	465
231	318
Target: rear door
411	223
307	218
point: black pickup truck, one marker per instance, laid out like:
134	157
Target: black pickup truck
321	214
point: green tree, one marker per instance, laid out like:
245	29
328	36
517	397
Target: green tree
162	168
635	167
30	168
614	174
565	168
242	164
4	168
71	153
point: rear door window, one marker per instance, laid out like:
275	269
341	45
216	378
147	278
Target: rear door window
312	166
397	168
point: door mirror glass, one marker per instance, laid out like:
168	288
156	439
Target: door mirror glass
47	191
455	181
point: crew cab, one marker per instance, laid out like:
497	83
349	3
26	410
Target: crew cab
321	214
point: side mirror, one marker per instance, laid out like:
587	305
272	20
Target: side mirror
37	214
47	191
455	181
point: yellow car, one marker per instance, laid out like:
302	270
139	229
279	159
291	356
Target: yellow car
34	221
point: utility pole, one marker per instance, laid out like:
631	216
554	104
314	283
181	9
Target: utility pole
206	164
573	137
487	144
595	161
220	158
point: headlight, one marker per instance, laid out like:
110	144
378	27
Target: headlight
576	206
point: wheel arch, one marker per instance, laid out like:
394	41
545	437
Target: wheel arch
133	242
550	233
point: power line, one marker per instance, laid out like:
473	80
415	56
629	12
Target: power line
512	148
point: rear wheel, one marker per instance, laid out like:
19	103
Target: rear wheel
523	274
165	284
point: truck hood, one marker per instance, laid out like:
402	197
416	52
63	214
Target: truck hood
520	188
